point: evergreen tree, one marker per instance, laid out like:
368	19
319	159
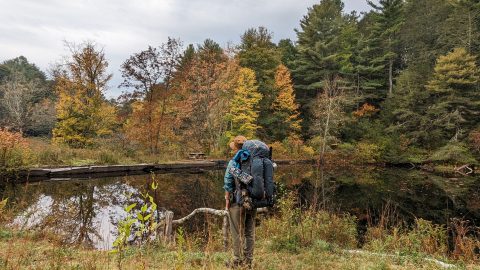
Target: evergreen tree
462	27
288	52
456	102
285	109
384	39
322	56
406	111
368	76
259	53
243	111
319	47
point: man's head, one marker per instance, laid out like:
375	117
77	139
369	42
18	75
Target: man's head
237	143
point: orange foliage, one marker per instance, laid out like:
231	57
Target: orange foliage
365	110
9	141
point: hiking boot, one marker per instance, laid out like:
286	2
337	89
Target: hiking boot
247	264
234	264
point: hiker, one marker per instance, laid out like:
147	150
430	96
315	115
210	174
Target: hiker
242	221
248	185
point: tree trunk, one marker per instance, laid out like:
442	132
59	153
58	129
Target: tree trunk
390	77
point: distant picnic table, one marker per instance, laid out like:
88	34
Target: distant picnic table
197	156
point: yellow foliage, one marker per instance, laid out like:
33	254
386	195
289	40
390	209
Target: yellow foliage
243	111
82	112
285	107
456	69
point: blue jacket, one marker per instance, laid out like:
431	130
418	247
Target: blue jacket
228	181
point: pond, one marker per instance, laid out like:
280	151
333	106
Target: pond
87	210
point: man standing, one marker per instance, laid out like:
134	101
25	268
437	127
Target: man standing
242	221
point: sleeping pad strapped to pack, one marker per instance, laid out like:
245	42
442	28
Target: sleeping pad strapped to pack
259	165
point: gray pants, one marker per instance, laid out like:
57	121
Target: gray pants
242	228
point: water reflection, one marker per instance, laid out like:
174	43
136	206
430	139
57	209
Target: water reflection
87	211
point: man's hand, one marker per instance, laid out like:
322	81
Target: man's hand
227	204
227	200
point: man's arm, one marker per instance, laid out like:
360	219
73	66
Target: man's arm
228	183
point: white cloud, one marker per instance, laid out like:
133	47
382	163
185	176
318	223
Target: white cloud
37	29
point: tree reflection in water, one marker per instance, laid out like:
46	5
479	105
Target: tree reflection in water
86	211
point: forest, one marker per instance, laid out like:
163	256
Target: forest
399	84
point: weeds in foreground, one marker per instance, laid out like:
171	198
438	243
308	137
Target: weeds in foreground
295	229
424	238
295	238
140	226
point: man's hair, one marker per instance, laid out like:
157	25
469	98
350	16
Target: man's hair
238	141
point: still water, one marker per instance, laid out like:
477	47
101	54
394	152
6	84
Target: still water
87	210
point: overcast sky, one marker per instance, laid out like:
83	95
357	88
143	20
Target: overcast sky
37	28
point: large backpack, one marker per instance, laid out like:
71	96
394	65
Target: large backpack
259	165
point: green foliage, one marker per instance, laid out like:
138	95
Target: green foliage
258	53
456	153
455	96
297	229
319	47
288	52
139	225
26	97
366	152
424	238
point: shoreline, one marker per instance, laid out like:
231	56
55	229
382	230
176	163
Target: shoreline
97	171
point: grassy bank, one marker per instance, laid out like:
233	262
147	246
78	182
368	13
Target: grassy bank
292	238
31	251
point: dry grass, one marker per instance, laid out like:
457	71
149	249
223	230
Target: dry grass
29	251
294	239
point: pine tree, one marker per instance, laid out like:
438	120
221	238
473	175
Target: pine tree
455	99
322	53
285	109
462	27
82	112
243	111
259	53
288	52
319	47
384	38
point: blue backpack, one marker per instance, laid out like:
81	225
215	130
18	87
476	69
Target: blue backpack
260	166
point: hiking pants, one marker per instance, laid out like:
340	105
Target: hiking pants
242	229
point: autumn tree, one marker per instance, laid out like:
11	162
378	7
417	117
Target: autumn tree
455	99
80	83
285	108
258	53
206	88
329	112
150	73
243	111
25	98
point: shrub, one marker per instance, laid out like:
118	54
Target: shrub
453	153
14	151
367	153
292	148
424	238
107	157
296	228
